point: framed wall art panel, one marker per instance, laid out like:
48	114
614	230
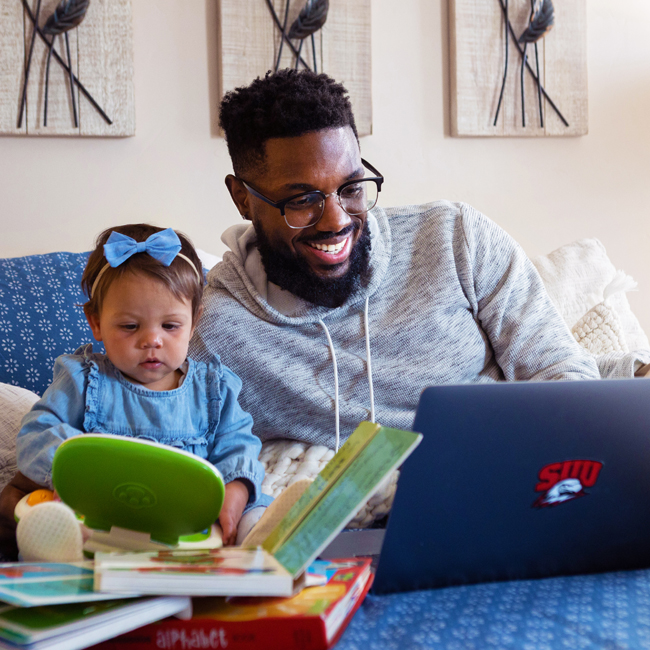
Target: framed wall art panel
252	43
73	75
486	72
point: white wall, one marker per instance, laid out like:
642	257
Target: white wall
58	193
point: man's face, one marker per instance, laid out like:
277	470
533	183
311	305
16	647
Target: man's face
321	160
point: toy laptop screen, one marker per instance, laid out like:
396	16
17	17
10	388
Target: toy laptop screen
138	485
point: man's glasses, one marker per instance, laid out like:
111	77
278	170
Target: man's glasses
303	210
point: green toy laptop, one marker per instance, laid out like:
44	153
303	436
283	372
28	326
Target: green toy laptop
136	494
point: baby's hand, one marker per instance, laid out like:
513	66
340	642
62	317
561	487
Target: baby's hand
234	503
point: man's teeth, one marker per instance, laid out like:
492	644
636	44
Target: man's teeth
329	248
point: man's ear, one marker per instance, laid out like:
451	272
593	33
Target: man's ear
239	194
93	321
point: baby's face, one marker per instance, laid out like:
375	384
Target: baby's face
145	329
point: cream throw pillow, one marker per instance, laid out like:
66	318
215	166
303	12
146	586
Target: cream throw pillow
576	276
600	330
14	403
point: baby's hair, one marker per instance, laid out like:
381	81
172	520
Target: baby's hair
179	277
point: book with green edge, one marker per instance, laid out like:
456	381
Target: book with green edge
369	455
79	625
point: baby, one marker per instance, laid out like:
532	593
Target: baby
144	287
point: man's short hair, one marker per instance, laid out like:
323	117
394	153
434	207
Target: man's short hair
283	104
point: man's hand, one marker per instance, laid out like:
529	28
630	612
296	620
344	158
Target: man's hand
14	491
234	502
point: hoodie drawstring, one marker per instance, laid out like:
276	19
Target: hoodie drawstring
336	383
336	373
368	362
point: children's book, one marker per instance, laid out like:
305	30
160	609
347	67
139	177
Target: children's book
79	625
295	537
222	571
30	584
313	619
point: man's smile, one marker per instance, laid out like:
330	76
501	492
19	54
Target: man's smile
330	252
329	248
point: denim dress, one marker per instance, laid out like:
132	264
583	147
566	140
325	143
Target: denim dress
90	395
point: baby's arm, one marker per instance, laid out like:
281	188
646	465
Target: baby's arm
234	452
57	416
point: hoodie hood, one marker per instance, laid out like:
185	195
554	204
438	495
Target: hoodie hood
242	274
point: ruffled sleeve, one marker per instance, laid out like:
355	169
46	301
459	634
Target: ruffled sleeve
57	416
233	448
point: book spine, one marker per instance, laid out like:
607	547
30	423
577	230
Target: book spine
208	634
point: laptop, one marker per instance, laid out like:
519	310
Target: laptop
522	480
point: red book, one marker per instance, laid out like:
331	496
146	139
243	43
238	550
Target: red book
313	619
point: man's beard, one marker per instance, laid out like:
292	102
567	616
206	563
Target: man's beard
292	273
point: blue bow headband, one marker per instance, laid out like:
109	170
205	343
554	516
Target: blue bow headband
163	246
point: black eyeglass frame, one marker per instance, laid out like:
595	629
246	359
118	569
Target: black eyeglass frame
280	205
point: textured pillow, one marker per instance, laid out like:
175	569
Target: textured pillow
600	331
576	276
14	403
40	316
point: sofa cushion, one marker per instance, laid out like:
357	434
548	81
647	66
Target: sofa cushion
576	276
14	403
40	316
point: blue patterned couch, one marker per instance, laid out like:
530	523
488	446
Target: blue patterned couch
40	316
607	611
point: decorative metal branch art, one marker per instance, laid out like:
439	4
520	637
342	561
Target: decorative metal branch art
310	19
282	28
542	18
67	15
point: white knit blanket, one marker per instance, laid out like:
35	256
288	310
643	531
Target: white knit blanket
288	461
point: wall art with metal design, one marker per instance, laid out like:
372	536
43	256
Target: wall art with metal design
518	67
66	68
331	36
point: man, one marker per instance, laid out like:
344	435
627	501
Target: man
333	314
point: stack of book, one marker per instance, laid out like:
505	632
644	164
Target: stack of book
271	593
313	619
54	607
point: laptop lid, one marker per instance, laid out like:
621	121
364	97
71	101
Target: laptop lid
522	480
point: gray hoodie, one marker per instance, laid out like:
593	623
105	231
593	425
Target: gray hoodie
451	299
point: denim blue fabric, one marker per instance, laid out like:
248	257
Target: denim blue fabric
40	316
607	611
89	395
